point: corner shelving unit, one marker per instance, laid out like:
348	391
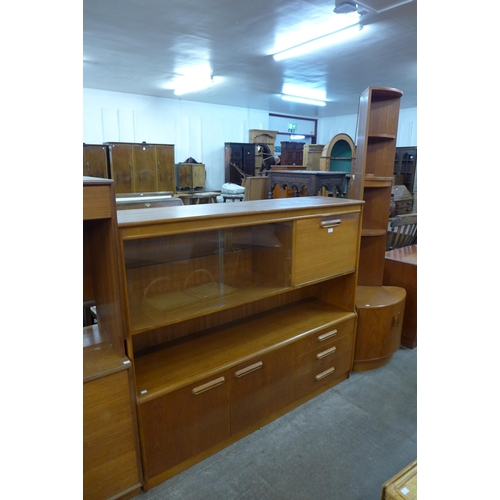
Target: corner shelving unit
373	175
380	308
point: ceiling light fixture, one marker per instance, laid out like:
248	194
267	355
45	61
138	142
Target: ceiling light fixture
319	43
302	100
345	7
187	85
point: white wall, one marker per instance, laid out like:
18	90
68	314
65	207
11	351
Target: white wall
196	129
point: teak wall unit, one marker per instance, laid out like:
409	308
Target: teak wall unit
141	167
236	313
111	463
376	146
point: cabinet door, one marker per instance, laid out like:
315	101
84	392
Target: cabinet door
145	168
110	464
165	170
198	176
95	161
121	166
183	423
261	387
334	250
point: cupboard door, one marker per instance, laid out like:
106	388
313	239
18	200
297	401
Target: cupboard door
145	168
110	464
95	161
261	387
121	166
183	423
165	169
334	250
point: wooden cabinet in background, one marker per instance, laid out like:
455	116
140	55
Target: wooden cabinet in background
292	153
95	161
237	313
190	176
243	156
405	167
141	168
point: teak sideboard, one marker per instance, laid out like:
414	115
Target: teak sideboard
235	314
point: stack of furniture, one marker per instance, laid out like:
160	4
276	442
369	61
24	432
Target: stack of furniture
267	137
235	314
380	308
243	156
111	459
141	167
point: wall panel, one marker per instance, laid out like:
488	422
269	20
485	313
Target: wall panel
197	129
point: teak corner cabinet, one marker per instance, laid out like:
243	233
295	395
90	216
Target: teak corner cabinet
235	314
380	309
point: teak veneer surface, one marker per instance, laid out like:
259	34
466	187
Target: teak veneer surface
267	210
210	353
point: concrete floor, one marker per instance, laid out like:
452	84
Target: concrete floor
342	445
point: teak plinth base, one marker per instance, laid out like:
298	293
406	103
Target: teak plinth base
380	318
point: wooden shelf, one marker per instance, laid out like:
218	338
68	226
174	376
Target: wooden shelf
373	232
381	137
206	353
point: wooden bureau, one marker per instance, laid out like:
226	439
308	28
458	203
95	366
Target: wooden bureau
236	314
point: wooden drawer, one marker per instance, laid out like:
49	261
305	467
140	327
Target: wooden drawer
321	358
335	247
404	207
96	202
316	373
326	336
183	423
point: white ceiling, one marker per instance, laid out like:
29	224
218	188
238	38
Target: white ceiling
138	46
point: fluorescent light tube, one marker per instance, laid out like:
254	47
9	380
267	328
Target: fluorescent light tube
302	100
318	43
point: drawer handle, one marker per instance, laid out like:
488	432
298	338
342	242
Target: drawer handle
325	373
327	335
147	205
248	369
208	386
326	353
330	223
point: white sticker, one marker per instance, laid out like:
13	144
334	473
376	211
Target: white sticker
330	229
126	362
144	392
405	490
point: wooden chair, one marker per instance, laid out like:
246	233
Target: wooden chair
402	231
